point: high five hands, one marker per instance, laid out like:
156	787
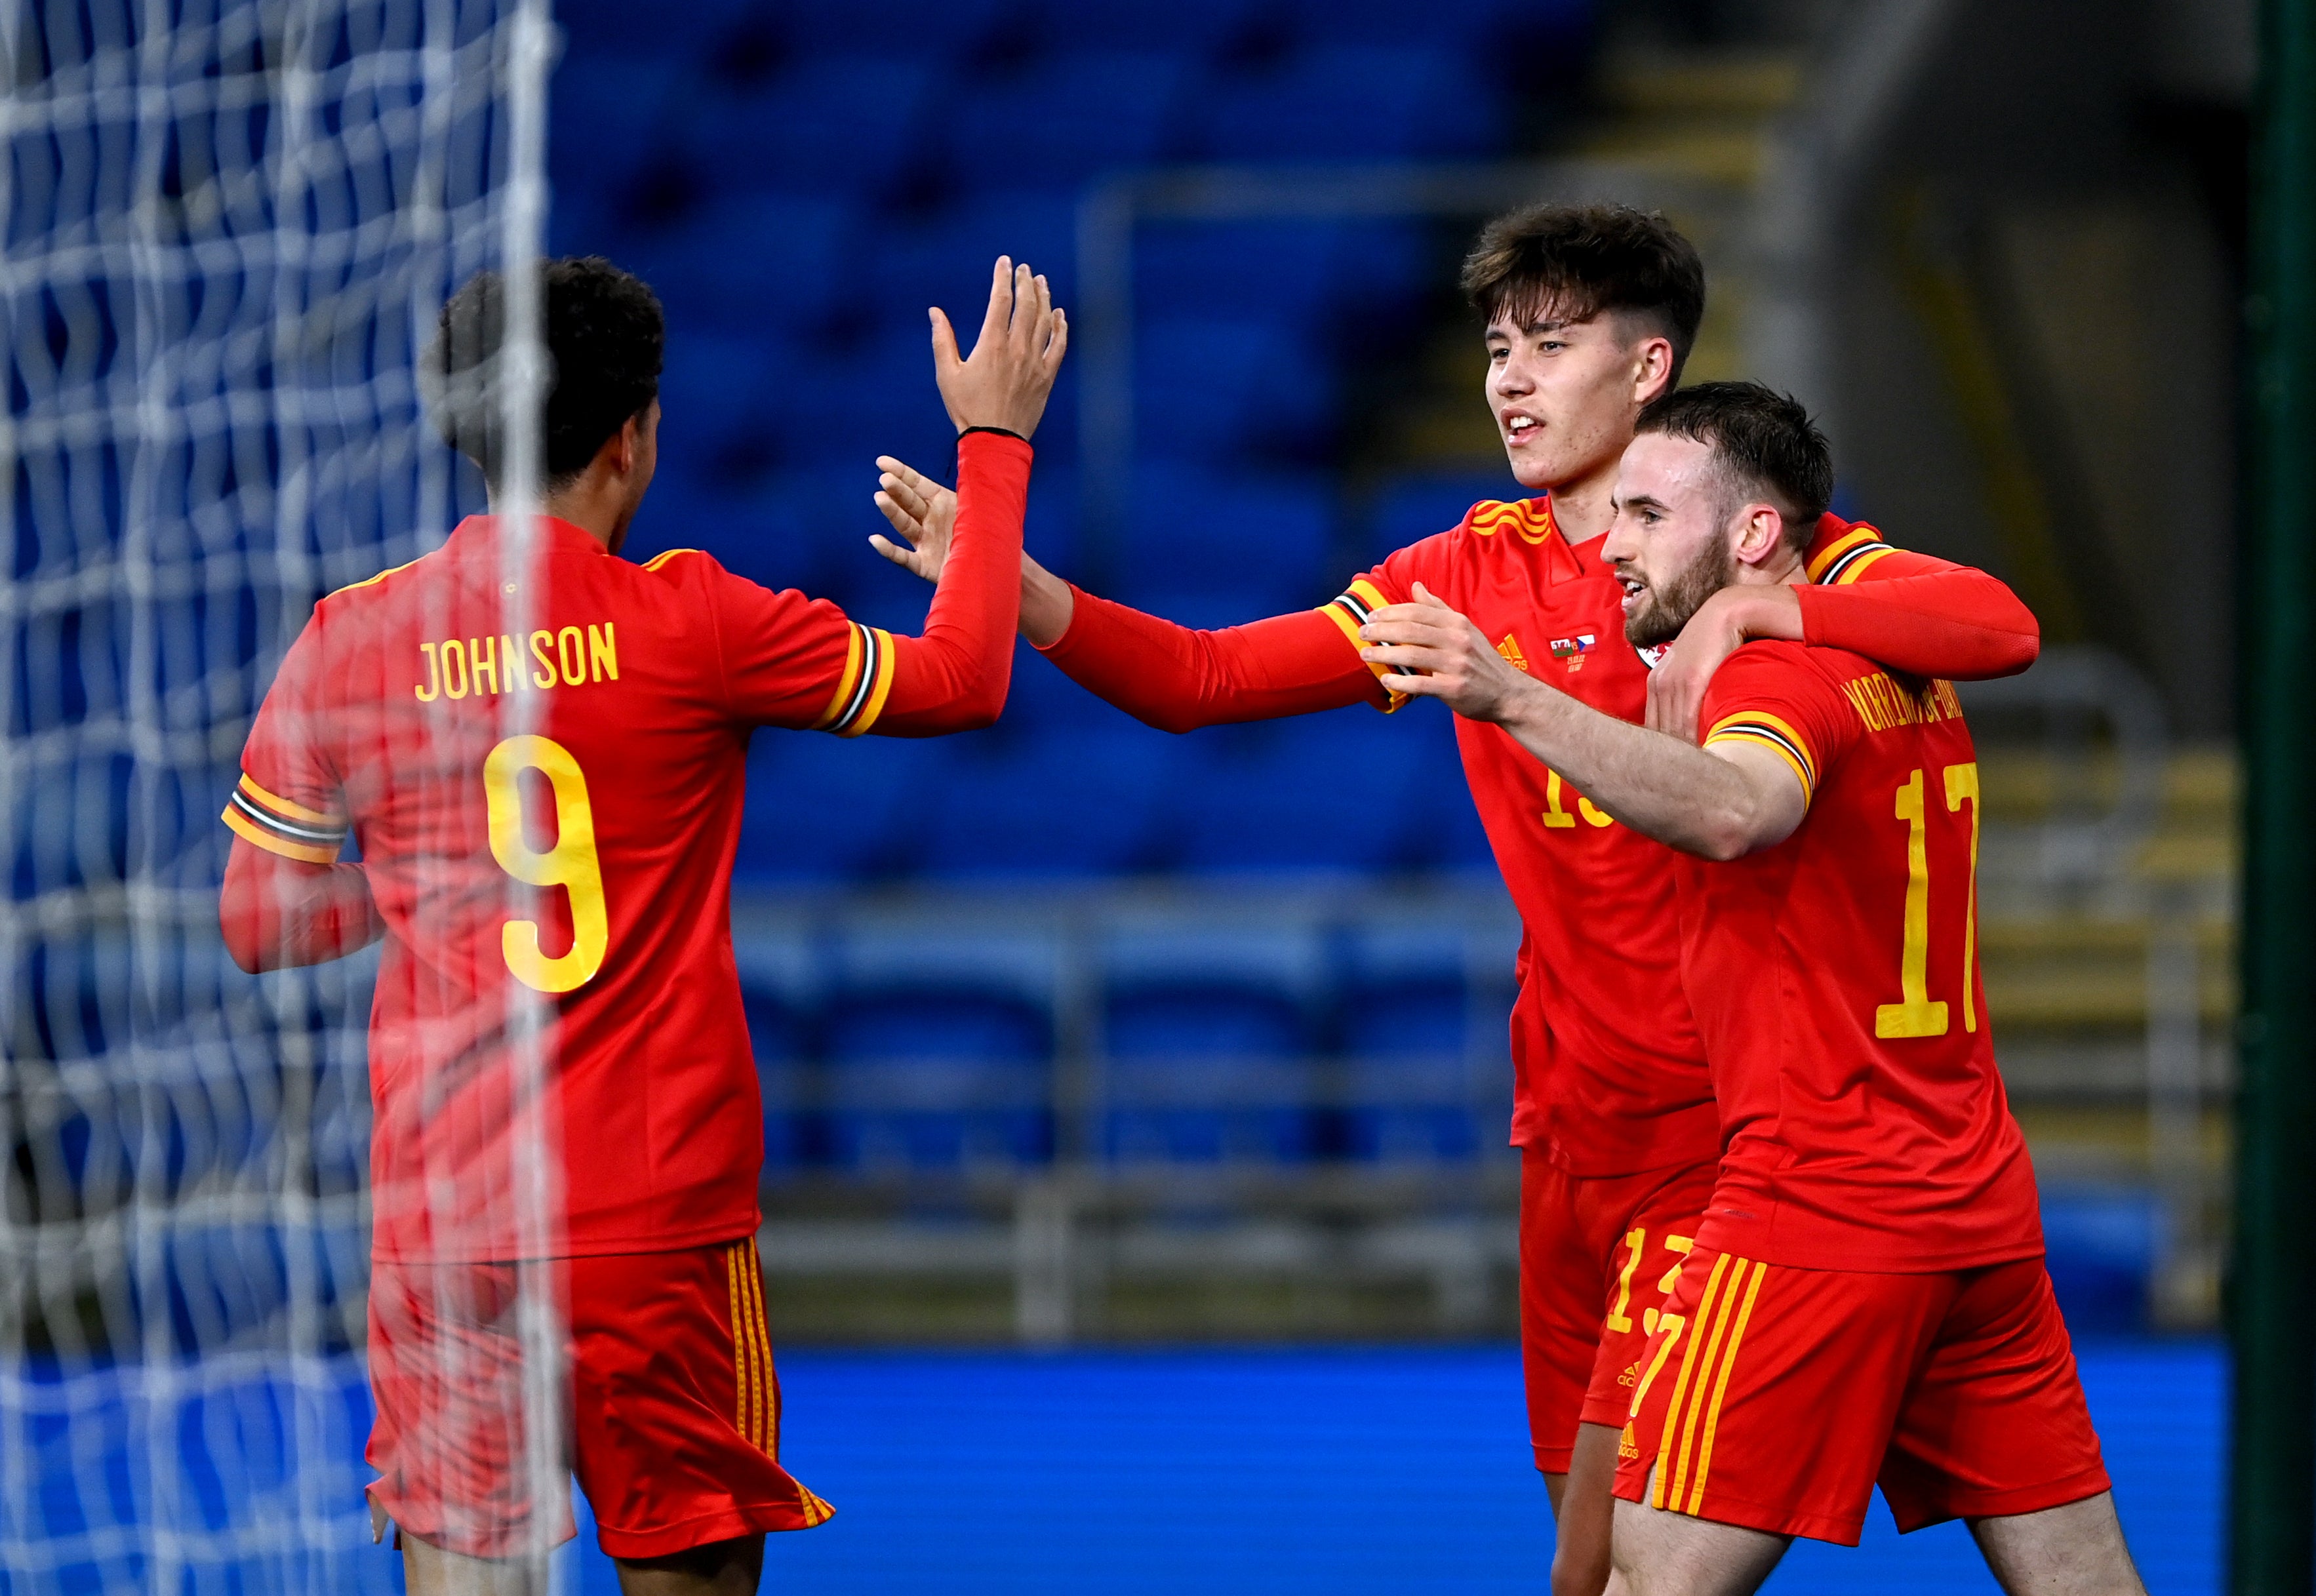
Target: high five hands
921	511
1009	374
1435	652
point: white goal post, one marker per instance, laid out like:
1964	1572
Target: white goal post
230	226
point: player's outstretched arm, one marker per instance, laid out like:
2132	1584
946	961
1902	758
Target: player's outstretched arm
279	913
1912	612
955	675
1718	803
1169	676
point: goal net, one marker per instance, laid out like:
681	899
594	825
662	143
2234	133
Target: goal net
230	228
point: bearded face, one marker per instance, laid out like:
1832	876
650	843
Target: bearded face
1656	608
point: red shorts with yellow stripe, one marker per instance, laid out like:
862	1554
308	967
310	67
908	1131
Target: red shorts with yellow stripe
1777	1398
671	1417
1598	1255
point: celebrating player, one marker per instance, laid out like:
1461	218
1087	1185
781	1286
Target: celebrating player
547	810
1865	1299
1589	313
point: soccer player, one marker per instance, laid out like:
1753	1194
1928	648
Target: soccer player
547	813
1590	312
1866	1300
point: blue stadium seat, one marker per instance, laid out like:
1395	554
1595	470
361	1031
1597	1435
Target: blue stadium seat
749	265
1209	1040
1065	119
778	979
778	1035
1186	26
940	1056
1320	792
838	125
1422	1033
901	28
822	808
1222	392
1412	508
607	109
1068	801
944	260
1469	25
1233	547
1337	103
1282	271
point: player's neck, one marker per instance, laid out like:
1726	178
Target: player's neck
1583	508
601	516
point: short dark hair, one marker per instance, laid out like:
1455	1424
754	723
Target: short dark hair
1764	441
1577	261
605	335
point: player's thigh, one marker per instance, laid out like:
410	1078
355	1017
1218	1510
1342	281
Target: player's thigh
1562	1282
454	1430
721	1568
1768	1393
675	1430
1650	1224
1994	1424
1667	1554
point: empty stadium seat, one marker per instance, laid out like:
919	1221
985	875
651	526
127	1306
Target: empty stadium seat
1066	119
1409	509
1207	1040
750	265
1336	103
1316	792
939	1052
1220	392
836	124
1069	801
828	809
1421	1027
1206	549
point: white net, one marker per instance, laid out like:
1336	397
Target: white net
230	226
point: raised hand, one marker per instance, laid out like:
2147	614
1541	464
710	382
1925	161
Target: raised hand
1008	378
921	511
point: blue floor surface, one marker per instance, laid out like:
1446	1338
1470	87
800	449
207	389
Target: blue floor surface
1339	1472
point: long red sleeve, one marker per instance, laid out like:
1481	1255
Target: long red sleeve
1177	679
1924	615
954	678
278	913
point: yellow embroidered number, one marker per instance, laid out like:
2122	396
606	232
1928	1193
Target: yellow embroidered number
1635	1240
1914	1015
571	864
1962	783
1556	818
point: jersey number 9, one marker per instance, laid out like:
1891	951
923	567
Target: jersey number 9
571	864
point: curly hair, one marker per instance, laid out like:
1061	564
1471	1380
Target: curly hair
604	333
1578	261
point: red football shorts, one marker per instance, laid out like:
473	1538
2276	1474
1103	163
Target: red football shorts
671	1419
1598	1257
1777	1398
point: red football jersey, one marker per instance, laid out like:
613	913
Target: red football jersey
1609	1071
547	818
1835	978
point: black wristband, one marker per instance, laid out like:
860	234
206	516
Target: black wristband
1001	431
